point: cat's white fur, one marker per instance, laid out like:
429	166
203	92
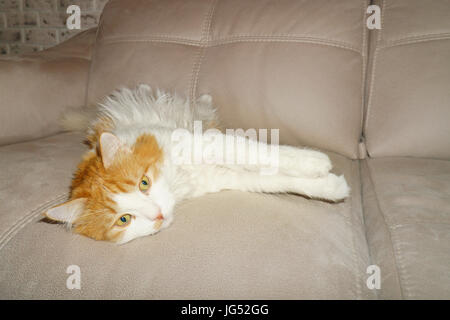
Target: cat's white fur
139	111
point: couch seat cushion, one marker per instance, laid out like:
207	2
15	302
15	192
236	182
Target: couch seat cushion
35	175
225	245
407	214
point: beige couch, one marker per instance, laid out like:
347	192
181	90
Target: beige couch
377	101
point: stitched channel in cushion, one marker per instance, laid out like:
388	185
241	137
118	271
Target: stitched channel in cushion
412	197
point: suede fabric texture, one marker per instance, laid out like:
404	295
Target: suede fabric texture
264	65
35	175
221	246
407	214
409	84
36	88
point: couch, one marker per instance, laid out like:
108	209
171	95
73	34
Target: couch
377	101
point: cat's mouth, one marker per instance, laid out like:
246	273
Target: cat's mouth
158	223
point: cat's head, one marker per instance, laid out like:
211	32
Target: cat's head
118	193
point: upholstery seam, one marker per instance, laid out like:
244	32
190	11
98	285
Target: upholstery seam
206	29
194	75
395	224
214	43
355	255
228	38
399	44
417	38
395	252
234	36
372	80
361	182
363	71
364	56
93	57
6	236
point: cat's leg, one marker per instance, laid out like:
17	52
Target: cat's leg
291	161
238	152
215	178
302	162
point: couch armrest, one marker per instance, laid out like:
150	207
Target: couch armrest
36	88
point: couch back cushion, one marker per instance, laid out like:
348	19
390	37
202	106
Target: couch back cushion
408	111
36	88
287	64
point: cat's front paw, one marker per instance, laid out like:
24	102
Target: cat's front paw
334	188
304	163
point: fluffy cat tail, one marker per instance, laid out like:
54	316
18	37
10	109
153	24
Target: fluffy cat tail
78	119
141	106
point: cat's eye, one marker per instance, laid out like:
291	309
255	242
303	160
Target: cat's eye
145	183
123	220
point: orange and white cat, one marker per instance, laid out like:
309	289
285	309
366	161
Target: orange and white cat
128	183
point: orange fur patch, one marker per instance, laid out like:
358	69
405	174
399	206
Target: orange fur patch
97	184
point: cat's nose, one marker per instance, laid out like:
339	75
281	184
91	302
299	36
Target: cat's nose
159	216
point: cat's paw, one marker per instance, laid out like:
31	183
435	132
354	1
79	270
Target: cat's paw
304	163
334	188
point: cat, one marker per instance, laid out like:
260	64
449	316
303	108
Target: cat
126	186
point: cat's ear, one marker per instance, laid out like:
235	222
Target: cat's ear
66	212
109	145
